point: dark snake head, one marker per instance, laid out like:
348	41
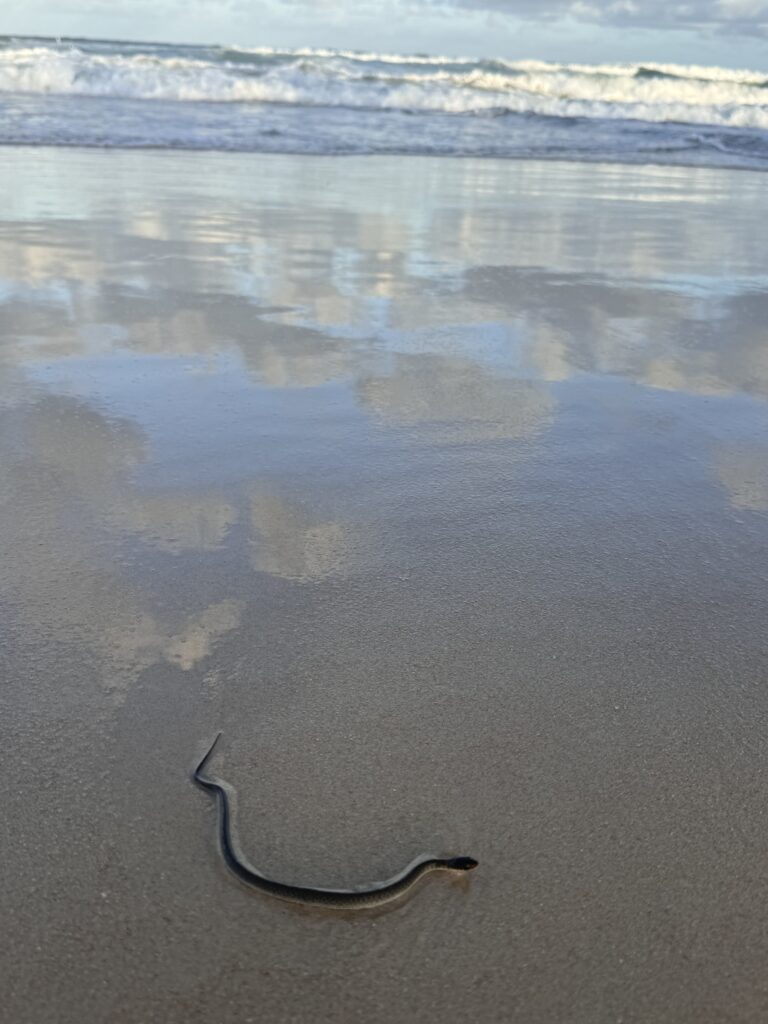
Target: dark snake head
461	863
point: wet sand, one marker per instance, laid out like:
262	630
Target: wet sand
441	488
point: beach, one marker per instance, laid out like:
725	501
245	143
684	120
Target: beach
440	488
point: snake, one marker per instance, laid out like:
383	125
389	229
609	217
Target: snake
356	898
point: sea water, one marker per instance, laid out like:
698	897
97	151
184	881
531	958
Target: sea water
127	94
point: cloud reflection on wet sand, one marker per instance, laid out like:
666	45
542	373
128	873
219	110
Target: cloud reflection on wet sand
443	495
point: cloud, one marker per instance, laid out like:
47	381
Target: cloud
135	7
745	16
725	16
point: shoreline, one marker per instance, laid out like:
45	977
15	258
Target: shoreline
212	151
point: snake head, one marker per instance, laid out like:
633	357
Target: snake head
461	863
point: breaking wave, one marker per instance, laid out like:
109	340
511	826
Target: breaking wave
654	94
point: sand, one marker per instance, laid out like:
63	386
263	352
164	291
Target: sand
441	488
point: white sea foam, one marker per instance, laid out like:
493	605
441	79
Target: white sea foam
704	73
355	55
344	80
329	78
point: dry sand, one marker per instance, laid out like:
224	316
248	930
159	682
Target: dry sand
441	487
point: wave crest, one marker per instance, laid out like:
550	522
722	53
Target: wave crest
339	78
622	108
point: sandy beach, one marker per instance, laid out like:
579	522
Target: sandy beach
440	487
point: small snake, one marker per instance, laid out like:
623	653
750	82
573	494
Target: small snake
334	899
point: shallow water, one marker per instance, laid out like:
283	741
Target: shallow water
441	487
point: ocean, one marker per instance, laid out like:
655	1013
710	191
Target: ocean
77	92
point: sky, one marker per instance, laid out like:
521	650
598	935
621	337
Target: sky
732	33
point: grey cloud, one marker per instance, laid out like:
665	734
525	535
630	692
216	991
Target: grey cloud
726	16
723	15
730	16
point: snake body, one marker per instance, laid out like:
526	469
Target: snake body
333	899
